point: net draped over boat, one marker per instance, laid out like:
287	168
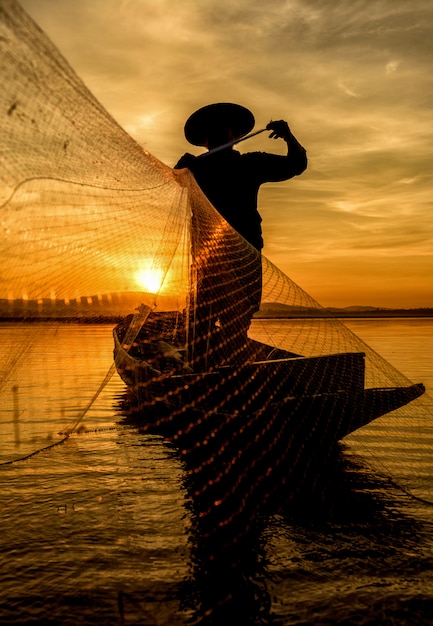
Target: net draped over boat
93	227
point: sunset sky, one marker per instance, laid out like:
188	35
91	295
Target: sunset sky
352	78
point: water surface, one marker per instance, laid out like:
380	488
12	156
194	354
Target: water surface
99	528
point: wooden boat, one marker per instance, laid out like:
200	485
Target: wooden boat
324	395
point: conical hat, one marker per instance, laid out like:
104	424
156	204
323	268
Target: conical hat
213	116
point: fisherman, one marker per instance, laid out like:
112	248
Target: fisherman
231	180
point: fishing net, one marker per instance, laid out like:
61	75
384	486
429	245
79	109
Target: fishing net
97	234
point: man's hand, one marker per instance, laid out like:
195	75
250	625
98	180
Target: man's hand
279	129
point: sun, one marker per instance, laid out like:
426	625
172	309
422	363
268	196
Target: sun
149	279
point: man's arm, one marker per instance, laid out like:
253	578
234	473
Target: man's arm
296	152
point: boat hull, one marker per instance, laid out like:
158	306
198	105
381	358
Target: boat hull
323	395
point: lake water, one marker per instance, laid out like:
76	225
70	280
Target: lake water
95	529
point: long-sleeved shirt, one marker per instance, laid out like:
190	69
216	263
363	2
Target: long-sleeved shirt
231	182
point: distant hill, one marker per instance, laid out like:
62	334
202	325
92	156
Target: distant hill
277	310
360	309
372	311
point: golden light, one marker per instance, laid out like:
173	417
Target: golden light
149	279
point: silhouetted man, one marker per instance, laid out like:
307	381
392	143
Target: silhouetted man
231	182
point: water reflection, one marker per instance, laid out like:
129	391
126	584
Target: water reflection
227	556
225	539
236	548
353	556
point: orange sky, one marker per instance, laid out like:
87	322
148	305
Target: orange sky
353	79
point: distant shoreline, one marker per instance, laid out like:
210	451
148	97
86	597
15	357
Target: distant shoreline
268	315
112	307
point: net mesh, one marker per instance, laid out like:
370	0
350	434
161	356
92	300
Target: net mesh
97	232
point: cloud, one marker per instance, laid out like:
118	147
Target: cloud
392	67
352	78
